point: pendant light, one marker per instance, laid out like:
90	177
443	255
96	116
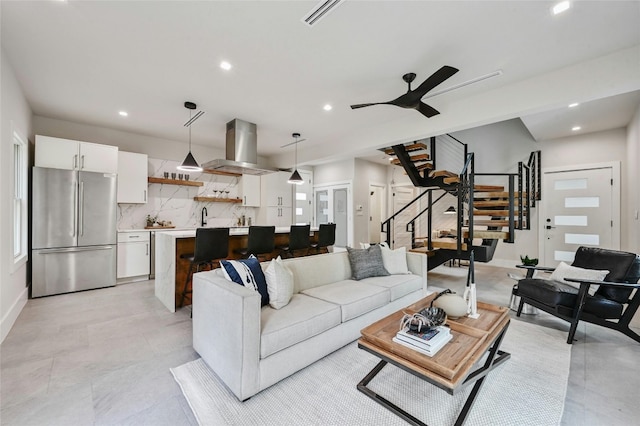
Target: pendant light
295	178
450	210
190	164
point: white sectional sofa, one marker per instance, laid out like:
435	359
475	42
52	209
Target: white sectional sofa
251	347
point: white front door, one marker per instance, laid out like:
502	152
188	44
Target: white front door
376	213
579	209
401	197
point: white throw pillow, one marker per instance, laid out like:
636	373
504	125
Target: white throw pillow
364	246
563	271
279	283
394	261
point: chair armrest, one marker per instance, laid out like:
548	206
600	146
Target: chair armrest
536	268
596	282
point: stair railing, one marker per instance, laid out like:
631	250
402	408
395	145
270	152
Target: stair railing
465	192
412	222
386	225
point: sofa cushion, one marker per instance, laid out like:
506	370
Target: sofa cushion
353	297
398	285
302	318
320	269
279	283
366	263
247	272
549	292
564	271
394	261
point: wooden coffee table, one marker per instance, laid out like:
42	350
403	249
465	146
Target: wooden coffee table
453	367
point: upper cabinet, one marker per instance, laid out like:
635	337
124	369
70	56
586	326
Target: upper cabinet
249	190
132	177
68	154
275	190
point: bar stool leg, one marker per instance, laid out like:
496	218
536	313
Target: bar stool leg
186	284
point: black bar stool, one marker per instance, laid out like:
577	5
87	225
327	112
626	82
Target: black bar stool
298	240
326	237
212	245
261	241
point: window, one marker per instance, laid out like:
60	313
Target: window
19	199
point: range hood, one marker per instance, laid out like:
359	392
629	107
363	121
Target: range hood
242	151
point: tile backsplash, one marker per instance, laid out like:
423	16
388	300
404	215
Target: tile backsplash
175	203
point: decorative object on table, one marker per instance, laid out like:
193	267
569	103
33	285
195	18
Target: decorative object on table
427	342
425	319
295	178
454	305
151	219
190	164
527	261
470	291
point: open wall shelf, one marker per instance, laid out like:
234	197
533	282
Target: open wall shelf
218	200
174	181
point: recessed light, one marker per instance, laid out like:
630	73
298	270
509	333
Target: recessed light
123	113
576	128
561	7
225	65
573	105
327	107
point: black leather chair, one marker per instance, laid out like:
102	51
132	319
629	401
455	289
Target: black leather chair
261	242
211	246
611	306
298	241
326	237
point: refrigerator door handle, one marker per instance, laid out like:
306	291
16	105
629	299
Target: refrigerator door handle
73	249
82	162
75	162
81	209
75	211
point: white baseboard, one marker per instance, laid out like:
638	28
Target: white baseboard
504	263
10	318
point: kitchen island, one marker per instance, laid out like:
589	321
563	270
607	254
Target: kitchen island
171	271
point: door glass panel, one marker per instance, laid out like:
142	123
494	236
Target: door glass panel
322	207
301	196
564	256
570	220
588	239
340	216
298	211
565	184
573	202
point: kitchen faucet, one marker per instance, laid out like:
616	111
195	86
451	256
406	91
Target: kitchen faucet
203	216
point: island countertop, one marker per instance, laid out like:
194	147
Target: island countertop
171	270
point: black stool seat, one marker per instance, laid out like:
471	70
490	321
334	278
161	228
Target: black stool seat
298	240
326	237
212	245
261	241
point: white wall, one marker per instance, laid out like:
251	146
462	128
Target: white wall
632	194
339	171
15	115
365	173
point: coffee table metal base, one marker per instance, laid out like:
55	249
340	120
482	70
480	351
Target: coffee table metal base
495	358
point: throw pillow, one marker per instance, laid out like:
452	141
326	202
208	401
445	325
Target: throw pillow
247	272
395	261
563	271
366	263
279	283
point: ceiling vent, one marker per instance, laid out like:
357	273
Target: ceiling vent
321	10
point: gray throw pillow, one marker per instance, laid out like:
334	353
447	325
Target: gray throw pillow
366	263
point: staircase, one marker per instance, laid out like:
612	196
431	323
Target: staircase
489	211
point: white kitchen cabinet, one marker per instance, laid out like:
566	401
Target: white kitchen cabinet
132	177
275	191
134	256
59	153
278	216
249	190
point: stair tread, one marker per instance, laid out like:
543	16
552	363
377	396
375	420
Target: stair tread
439	173
488	235
494	212
451	244
451	179
498	194
414	158
492	222
494	203
411	147
424	166
423	250
487	188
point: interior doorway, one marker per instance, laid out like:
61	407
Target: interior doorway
581	207
333	205
377	212
303	213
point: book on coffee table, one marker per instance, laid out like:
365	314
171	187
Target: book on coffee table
428	337
426	350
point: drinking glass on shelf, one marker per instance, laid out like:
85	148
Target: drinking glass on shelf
215	193
166	175
173	176
180	176
186	177
226	193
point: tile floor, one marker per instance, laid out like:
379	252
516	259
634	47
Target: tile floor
102	357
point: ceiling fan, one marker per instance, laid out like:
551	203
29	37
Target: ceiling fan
412	99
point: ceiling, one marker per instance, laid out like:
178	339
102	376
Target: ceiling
85	61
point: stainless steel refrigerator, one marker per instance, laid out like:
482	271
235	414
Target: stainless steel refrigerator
73	231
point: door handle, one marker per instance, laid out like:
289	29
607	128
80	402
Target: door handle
147	254
81	209
245	200
75	161
82	162
550	227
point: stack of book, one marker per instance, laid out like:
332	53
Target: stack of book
427	341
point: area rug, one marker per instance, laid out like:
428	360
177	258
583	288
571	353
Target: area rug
528	389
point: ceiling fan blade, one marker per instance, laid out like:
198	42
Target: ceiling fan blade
427	110
366	105
435	79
